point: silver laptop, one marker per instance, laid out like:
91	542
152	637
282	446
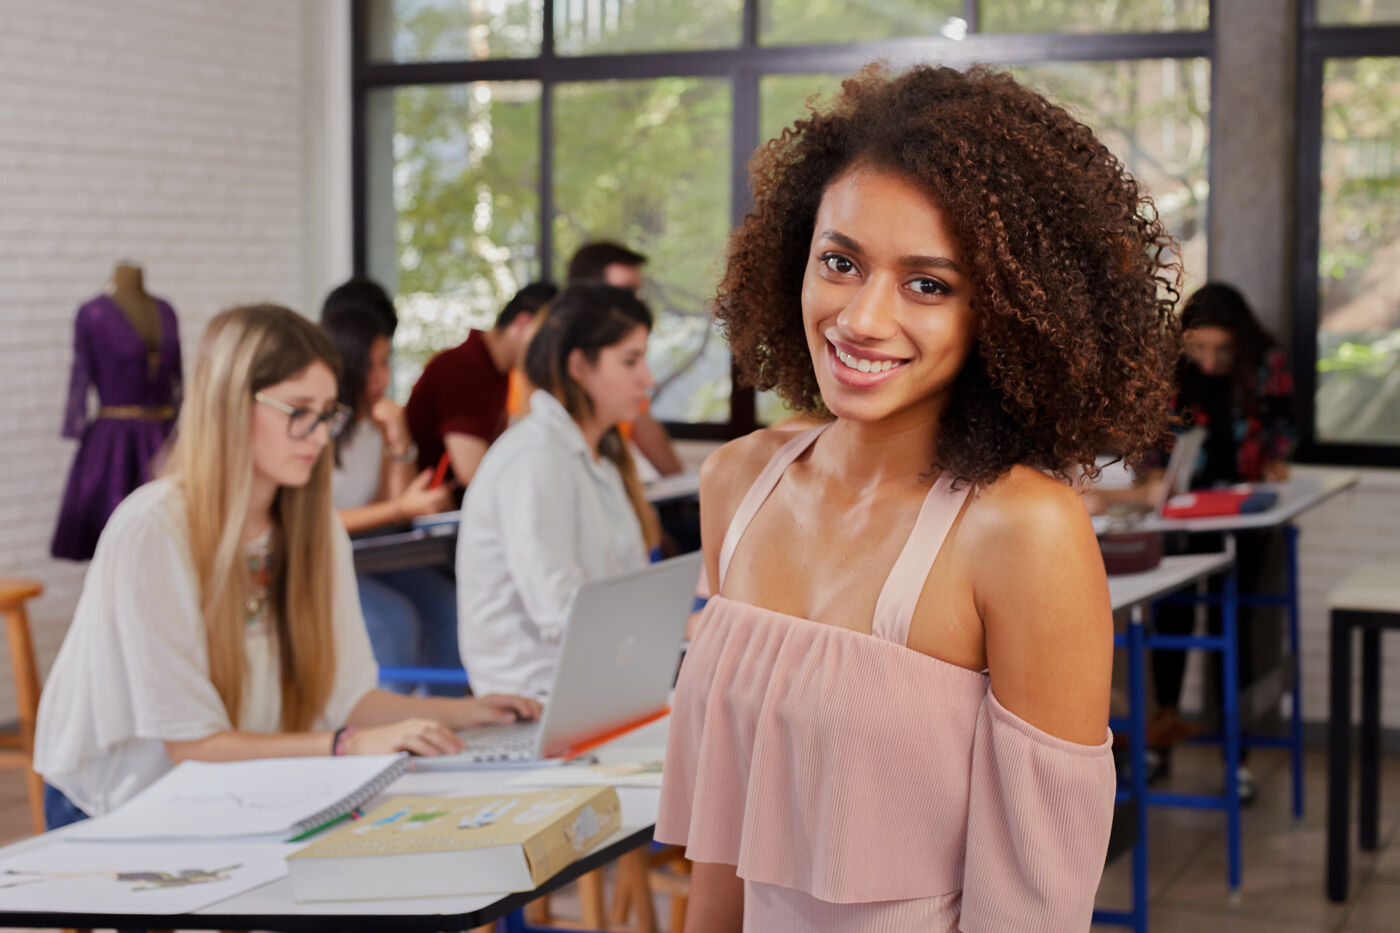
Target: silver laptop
1181	466
616	665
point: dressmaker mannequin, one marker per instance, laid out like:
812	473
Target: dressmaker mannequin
126	347
129	292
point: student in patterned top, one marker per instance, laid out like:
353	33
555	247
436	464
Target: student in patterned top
1234	381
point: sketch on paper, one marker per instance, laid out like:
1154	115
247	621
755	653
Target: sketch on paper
150	878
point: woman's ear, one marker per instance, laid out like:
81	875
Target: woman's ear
577	364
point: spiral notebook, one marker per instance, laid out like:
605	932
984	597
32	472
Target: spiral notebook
269	797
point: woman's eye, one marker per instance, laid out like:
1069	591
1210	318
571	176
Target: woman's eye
837	263
931	287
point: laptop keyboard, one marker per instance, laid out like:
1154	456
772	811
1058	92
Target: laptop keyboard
518	742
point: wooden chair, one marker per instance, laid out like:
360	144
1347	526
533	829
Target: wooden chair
17	750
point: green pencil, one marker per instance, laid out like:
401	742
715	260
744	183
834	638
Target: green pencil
352	815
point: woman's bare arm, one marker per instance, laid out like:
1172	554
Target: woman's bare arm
1042	594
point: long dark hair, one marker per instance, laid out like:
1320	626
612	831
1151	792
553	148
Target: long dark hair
1216	304
353	329
591	318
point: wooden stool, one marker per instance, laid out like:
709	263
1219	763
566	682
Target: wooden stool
590	895
1369	600
670	875
17	751
632	894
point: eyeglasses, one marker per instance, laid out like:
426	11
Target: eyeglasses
301	422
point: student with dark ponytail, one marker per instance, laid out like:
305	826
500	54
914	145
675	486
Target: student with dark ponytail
556	501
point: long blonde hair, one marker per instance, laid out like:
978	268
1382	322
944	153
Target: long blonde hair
243	351
589	318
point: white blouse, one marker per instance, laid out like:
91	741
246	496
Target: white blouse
356	480
541	516
133	672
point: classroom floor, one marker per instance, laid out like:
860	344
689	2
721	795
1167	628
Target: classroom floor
1282	889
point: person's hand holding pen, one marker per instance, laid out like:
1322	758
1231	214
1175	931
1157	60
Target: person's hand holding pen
421	497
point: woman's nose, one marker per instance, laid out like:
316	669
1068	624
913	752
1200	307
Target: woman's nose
868	314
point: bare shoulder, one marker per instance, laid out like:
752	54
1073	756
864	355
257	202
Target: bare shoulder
1028	529
728	472
1040	589
724	478
1027	506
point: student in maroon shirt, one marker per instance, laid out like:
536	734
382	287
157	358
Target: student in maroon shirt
458	405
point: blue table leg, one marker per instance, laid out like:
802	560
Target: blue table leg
1137	743
1295	649
1231	702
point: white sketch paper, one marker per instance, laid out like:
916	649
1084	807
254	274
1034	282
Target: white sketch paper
218	800
138	878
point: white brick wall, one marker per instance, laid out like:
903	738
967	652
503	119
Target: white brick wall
193	136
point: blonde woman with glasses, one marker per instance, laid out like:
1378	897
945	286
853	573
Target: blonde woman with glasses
219	618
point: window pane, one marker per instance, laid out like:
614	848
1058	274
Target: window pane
454	30
453	208
1154	114
603	27
1353	12
1358	340
782	99
799	22
1071	16
646	164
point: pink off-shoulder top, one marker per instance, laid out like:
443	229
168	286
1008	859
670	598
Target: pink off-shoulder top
861	786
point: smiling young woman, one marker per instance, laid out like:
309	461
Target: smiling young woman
908	660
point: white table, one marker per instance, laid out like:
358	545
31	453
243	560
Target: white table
1295	497
1133	592
1367	600
431	540
1128	590
273	906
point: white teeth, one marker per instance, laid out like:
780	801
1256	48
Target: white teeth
864	365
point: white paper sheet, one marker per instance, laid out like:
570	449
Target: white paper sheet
209	800
615	765
137	878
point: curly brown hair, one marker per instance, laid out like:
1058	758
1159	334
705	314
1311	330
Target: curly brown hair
1074	275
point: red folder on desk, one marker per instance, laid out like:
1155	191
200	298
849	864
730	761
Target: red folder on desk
1210	503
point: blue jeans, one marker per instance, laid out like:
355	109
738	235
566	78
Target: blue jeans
411	616
59	810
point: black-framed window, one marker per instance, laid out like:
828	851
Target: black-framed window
491	137
1347	325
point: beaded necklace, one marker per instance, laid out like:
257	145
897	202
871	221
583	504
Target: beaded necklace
259	555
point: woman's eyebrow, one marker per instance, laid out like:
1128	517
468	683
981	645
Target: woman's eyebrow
841	240
910	262
929	262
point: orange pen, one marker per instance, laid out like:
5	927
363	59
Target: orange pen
441	472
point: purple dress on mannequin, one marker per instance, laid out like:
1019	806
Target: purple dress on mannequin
138	393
